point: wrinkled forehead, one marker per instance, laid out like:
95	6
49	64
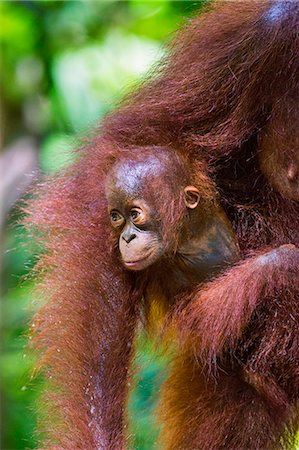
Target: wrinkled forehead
130	176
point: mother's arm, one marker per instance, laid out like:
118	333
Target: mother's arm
218	313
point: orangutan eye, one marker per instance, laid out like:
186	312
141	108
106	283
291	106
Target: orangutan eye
135	214
116	218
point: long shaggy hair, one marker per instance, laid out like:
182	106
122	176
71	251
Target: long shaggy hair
209	100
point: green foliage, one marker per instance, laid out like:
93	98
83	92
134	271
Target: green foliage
151	370
64	65
18	391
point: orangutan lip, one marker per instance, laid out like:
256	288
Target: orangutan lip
134	263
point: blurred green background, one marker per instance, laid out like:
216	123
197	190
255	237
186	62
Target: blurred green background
64	65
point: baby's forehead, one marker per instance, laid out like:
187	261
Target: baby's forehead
129	175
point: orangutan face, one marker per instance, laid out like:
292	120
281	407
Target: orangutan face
133	215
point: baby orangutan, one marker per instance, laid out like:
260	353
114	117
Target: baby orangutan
168	230
166	234
140	192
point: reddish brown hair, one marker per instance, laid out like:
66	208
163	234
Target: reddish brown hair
209	101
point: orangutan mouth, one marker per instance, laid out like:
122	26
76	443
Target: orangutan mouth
137	262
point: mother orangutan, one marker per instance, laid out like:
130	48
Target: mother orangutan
227	98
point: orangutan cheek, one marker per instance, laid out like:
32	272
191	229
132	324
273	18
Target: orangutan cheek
141	252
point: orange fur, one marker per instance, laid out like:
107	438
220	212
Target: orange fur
209	102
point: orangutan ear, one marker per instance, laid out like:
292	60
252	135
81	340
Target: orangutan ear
192	197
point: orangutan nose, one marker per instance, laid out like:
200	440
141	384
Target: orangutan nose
128	236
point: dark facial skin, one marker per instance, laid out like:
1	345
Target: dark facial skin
134	221
140	243
207	242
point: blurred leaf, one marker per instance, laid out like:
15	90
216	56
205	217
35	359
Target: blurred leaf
92	79
16	367
154	19
18	38
18	255
150	372
56	152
